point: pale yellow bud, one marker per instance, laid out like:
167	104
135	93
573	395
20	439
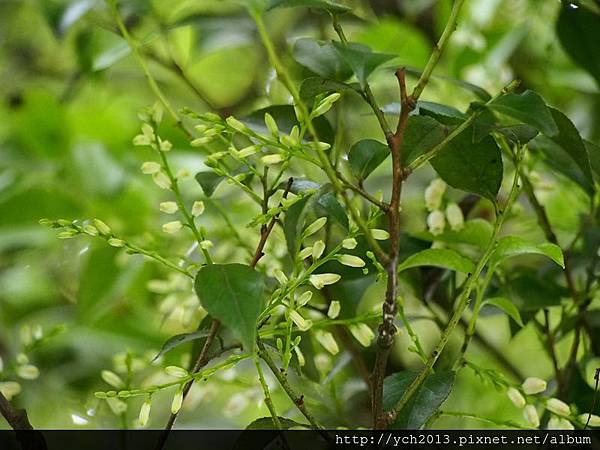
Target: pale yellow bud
558	407
349	243
334	309
162	180
351	261
318	249
176	371
379	235
362	333
168	207
172	227
455	217
315	226
328	342
150	167
436	222
533	385
515	396
112	378
323	279
197	208
531	416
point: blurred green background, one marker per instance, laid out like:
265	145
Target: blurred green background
69	96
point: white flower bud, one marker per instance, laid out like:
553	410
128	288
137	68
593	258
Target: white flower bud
349	243
558	407
320	146
515	396
182	174
351	261
197	208
323	362
150	167
533	385
304	299
271	125
436	222
116	405
434	193
176	371
594	419
236	124
325	104
248	151
455	217
165	146
157	113
10	389
145	412
22	357
323	279
280	276
269	160
531	416
112	378
177	401
114	242
102	227
206	244
328	342
318	249
168	207
162	180
315	226
300	356
305	252
148	131
28	372
201	141
301	322
556	423
141	139
90	230
379	235
172	227
362	333
334	309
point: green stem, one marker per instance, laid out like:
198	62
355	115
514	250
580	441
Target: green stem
502	423
268	399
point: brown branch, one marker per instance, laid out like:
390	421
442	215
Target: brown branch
16	418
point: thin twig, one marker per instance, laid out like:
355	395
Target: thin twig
16	418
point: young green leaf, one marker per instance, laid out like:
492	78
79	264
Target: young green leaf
439	257
314	86
361	59
326	5
471	166
365	156
510	246
430	396
208	181
178	339
507	306
233	294
321	58
528	107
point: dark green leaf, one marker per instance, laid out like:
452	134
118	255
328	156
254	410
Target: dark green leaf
233	294
445	114
361	59
327	5
472	167
266	423
530	292
321	58
365	156
178	339
427	400
439	257
528	108
209	182
510	246
313	86
325	204
421	135
594	154
579	32
507	306
293	223
519	134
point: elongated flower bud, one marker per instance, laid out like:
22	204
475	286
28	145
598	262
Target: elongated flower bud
145	412
351	261
172	227
236	124
328	342
176	371
150	167
10	389
271	125
531	416
362	333
556	423
334	309
168	207
533	385
455	217
326	104
594	419
324	279
115	242
112	378
558	407
315	226
102	227
436	222
280	276
197	208
305	252
434	193
161	180
349	243
269	160
301	322
379	235
141	139
318	249
515	396
177	401
304	299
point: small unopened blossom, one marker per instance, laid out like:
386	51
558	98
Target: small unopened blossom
115	242
112	378
280	276
197	208
147	130
172	227
236	124
558	407
201	141
271	125
161	180
304	299
177	401
322	362
302	323
22	357
176	371
168	207
379	235
557	423
248	151
531	416
362	333
116	405
323	279
315	226
300	356
328	342
455	217
533	385
90	230
434	193
10	389
141	139
206	244
436	222
321	146
165	146
28	372
351	261
318	249
67	234
325	104
334	309
269	160
594	419
102	227
150	167
182	174
349	243
516	397
305	252
145	412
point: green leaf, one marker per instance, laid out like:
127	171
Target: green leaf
361	59
326	204
421	135
321	58
266	423
471	166
507	306
510	246
365	156
439	257
327	5
594	153
431	395
178	339
530	292
209	182
569	139
528	107
233	294
578	30
314	86
519	134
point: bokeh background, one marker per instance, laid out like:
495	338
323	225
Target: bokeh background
69	96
